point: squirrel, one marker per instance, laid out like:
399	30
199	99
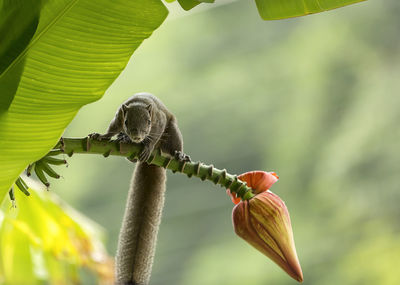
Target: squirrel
144	119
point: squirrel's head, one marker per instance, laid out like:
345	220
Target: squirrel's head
137	121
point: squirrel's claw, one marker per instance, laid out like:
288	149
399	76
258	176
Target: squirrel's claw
145	154
181	156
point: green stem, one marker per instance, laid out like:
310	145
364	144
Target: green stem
131	151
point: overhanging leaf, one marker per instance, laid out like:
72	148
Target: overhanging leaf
78	50
281	9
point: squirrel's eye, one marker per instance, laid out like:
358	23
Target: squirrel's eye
126	122
148	122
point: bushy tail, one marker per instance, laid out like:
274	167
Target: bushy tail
138	236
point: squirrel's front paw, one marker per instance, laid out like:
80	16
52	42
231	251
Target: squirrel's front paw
145	153
123	138
94	136
181	156
99	137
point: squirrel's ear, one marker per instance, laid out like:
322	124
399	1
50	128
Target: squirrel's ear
124	108
149	107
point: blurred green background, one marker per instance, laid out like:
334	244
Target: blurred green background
313	98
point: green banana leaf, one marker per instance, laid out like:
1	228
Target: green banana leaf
44	241
189	4
282	9
65	54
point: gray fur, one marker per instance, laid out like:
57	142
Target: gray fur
138	236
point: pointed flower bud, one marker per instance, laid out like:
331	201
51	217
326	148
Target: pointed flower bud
264	222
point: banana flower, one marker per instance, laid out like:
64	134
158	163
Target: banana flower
264	222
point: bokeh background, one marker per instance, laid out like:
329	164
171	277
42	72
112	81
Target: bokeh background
315	99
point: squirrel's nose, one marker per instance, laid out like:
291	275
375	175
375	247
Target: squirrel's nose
136	139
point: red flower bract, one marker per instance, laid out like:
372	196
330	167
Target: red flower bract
259	181
264	222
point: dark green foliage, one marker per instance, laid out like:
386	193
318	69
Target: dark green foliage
18	23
